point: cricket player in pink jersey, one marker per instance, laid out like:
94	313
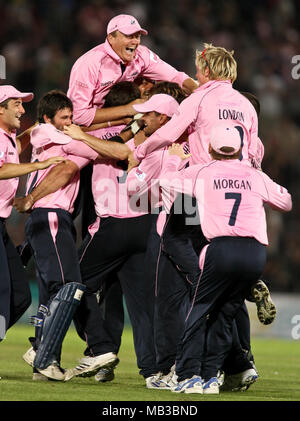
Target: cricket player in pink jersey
119	58
52	237
171	291
212	103
231	196
15	294
49	186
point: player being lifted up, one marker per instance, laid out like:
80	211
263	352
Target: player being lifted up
120	58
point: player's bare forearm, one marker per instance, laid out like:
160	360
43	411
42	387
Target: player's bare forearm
104	148
58	177
107	149
103	115
107	124
11	170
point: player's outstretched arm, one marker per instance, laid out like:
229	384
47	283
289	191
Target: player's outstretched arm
103	115
9	170
58	177
114	150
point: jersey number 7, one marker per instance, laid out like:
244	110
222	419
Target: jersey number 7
237	197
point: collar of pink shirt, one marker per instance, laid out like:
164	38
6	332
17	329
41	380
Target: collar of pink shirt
211	83
11	135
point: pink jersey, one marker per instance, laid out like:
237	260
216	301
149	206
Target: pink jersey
144	179
110	192
213	103
143	182
47	141
8	188
95	72
230	196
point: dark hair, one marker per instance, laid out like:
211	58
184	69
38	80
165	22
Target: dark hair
52	102
254	101
121	94
218	156
169	88
4	104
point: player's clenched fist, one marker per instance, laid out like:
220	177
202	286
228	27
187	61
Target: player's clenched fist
74	132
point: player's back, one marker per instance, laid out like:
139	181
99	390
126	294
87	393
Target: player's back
218	103
231	196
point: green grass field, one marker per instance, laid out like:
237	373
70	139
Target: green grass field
277	361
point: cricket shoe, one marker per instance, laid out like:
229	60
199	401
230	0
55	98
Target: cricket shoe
29	356
53	372
88	366
162	381
193	385
105	375
266	309
211	387
152	381
241	381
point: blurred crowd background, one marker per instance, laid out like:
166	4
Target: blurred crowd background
41	40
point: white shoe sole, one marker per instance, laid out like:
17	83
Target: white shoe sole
211	391
196	390
39	377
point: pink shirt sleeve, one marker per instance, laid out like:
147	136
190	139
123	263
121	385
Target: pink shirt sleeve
83	81
80	153
138	179
258	153
276	196
171	131
157	69
173	181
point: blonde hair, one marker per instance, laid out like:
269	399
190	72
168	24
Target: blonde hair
220	62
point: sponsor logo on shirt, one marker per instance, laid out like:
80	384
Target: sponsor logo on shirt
110	82
83	85
140	174
11	153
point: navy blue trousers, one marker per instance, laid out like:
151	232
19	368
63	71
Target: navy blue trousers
15	296
52	237
231	265
117	249
171	301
